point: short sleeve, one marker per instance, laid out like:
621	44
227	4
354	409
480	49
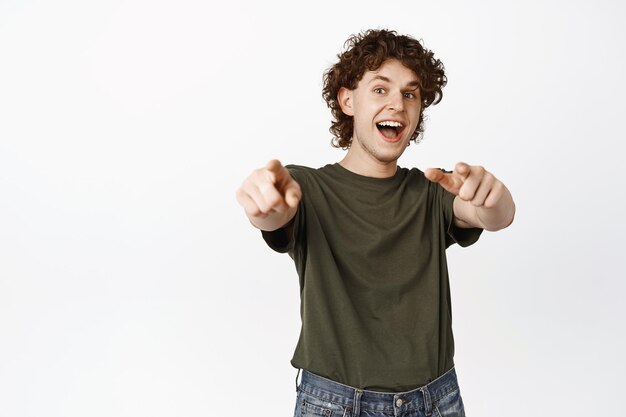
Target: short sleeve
455	234
280	240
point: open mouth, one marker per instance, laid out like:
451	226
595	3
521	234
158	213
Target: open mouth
390	130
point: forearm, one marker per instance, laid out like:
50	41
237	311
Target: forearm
274	220
492	218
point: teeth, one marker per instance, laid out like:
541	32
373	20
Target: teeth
390	123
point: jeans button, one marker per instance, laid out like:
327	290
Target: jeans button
399	402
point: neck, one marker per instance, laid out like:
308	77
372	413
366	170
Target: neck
364	164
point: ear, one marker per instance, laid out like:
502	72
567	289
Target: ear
344	97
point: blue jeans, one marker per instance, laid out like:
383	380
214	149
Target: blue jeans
321	397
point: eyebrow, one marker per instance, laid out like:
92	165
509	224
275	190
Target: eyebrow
414	83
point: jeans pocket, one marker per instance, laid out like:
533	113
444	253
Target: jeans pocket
450	406
309	406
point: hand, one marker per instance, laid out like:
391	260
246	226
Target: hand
470	183
269	190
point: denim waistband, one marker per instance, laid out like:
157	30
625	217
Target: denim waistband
421	398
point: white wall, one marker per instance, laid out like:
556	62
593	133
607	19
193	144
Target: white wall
130	281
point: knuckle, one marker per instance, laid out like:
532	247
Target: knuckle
261	175
241	195
257	172
269	176
255	212
490	203
273	201
263	210
250	181
465	195
264	205
267	189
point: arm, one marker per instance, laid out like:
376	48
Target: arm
481	199
270	196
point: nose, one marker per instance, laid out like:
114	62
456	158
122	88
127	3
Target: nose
396	102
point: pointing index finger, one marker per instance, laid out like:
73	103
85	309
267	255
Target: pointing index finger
434	174
449	181
274	169
274	165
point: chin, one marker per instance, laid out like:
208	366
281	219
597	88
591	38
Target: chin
395	153
388	157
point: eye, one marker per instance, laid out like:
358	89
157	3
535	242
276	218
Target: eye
409	95
379	90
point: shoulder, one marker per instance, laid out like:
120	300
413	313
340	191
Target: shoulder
306	169
412	172
294	168
300	173
412	175
414	180
305	173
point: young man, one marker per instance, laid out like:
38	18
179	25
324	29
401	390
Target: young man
368	239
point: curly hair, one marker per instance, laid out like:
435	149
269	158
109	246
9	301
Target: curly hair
367	51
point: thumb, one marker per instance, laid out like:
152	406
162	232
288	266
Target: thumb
293	194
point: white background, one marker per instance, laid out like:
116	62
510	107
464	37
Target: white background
131	283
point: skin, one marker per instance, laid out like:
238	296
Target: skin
389	93
270	195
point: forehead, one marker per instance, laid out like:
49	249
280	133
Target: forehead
392	70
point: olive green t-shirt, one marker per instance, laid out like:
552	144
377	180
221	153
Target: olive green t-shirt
375	296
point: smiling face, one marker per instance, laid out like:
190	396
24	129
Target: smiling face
386	108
